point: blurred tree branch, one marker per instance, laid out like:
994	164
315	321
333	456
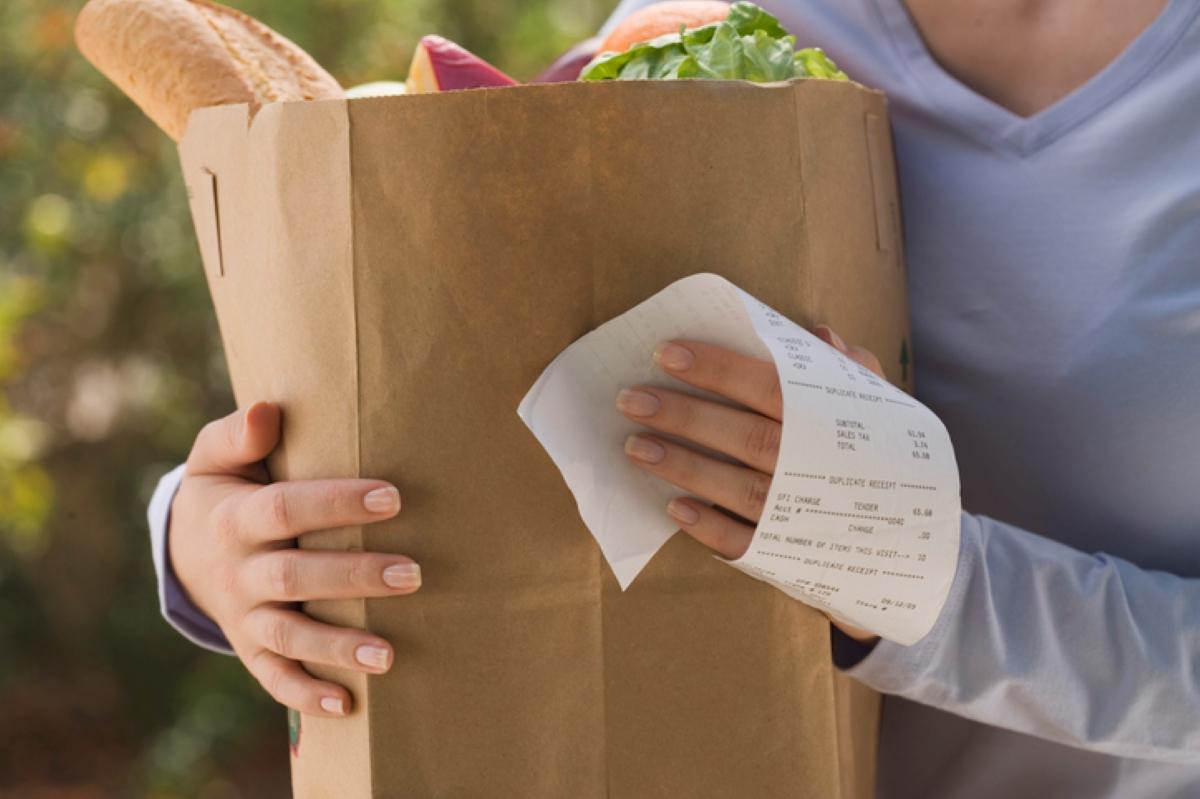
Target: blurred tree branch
109	364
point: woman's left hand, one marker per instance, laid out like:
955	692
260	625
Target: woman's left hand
729	497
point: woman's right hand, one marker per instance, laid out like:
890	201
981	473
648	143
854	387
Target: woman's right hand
232	544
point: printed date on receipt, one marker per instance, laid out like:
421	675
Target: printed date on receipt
862	518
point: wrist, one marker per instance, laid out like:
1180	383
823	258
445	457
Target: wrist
176	577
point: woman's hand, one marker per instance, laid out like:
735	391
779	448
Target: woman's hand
232	541
731	497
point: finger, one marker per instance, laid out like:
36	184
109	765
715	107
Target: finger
294	636
294	575
749	381
830	337
287	509
860	355
865	358
237	443
726	536
750	437
737	488
290	685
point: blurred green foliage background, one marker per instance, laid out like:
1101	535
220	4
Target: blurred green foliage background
110	363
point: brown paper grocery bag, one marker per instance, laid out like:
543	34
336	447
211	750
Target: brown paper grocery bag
397	271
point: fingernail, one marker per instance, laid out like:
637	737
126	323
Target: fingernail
637	403
403	575
644	449
373	657
835	339
682	513
334	705
382	500
674	357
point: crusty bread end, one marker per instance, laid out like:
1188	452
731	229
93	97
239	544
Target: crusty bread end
173	56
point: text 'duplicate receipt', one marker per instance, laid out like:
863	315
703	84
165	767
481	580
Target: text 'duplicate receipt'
862	519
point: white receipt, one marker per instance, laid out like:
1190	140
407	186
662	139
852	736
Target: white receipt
862	518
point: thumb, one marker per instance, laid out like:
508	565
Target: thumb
237	443
260	429
860	355
865	358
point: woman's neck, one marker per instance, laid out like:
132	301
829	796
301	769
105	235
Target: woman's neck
1027	54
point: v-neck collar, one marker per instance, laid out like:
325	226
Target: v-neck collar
1002	128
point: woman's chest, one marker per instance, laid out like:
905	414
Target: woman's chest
1056	319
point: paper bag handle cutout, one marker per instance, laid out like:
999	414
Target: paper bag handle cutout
887	214
207	214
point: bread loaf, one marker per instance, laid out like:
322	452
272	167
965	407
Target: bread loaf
173	56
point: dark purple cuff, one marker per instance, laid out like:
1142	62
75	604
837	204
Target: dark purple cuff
847	652
179	609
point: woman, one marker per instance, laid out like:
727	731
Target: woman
1048	152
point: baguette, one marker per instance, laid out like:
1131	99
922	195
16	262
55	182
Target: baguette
173	56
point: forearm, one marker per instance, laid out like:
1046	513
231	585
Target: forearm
1086	650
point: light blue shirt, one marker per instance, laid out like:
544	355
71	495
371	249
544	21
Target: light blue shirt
1054	268
1055	290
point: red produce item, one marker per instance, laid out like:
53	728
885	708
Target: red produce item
440	65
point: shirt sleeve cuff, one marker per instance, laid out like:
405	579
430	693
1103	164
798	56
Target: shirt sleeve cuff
177	608
892	668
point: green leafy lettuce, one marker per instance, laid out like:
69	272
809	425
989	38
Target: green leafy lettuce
749	44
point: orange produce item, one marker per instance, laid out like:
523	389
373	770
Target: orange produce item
660	18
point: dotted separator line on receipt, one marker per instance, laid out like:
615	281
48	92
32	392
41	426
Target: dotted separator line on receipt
806	476
886	572
820	388
781	555
889	519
